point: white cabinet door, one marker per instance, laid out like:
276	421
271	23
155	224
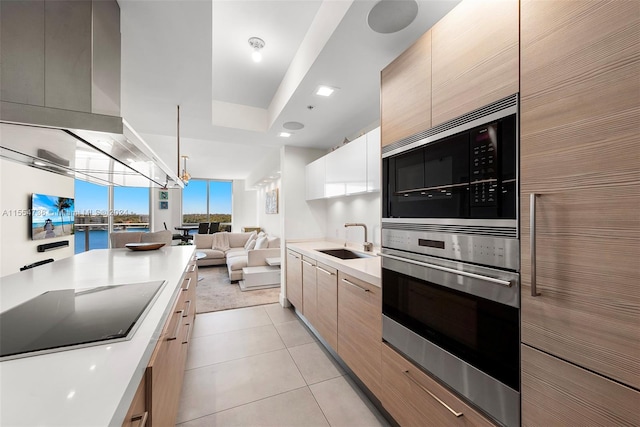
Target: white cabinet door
355	165
315	179
334	180
373	160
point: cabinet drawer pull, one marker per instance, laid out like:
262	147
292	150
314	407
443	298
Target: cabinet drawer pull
141	419
178	323
325	271
294	255
357	286
186	288
457	414
532	242
308	263
186	314
193	268
186	336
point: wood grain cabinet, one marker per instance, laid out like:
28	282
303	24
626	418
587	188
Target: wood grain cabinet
294	279
474	57
309	289
414	399
405	93
360	328
327	304
579	158
138	415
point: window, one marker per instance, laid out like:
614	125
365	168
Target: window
91	229
207	201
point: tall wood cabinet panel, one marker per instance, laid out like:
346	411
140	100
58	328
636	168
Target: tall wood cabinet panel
327	308
557	393
309	289
580	152
294	279
22	47
360	328
405	93
474	57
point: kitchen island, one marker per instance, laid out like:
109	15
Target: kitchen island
92	385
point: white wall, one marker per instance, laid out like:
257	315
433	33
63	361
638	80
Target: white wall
244	207
17	183
364	208
299	219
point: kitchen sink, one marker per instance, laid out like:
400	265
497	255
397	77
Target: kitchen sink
344	253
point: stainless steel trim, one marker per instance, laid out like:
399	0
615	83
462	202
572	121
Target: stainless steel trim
468	222
325	271
178	324
483	115
464	184
186	335
532	240
500	282
348	282
186	311
457	414
501	251
493	397
463	278
142	418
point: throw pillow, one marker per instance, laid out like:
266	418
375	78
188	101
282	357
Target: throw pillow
262	242
274	242
250	245
252	238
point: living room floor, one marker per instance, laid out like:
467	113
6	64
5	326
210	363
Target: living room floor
260	366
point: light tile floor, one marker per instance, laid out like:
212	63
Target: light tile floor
260	366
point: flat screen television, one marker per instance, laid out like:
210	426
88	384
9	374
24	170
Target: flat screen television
51	216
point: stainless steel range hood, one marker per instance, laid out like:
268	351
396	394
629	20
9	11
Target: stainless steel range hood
92	147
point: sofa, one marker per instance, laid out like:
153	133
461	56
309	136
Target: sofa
236	250
121	238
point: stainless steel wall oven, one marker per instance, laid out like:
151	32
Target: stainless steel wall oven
450	267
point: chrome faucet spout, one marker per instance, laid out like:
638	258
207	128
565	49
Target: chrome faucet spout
368	247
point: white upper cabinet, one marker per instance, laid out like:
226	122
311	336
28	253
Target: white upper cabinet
373	160
352	169
315	177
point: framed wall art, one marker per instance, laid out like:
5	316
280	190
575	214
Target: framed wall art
271	201
164	205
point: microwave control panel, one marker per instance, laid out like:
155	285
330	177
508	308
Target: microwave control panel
484	166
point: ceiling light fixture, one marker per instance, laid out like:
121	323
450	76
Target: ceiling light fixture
257	44
184	176
285	134
325	90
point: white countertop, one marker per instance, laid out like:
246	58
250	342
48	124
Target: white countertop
91	386
367	269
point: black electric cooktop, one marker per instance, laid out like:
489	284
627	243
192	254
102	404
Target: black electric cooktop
73	318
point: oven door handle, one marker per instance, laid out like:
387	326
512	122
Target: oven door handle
506	283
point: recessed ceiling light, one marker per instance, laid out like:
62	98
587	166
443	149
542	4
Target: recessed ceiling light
39	163
257	44
325	90
285	134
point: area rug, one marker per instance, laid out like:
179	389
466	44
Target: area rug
215	292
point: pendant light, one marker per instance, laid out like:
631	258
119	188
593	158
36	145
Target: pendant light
184	176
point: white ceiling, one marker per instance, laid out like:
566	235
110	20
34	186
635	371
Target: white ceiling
195	53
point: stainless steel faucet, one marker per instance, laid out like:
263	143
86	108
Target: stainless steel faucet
368	247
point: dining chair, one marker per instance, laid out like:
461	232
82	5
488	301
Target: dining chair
174	236
214	227
203	228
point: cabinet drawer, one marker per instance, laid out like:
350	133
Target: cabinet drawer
137	414
327	304
415	399
360	328
555	392
294	279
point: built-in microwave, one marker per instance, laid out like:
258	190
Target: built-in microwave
466	169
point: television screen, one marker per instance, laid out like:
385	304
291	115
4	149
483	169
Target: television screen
51	216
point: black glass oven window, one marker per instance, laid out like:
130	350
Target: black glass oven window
481	332
68	317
